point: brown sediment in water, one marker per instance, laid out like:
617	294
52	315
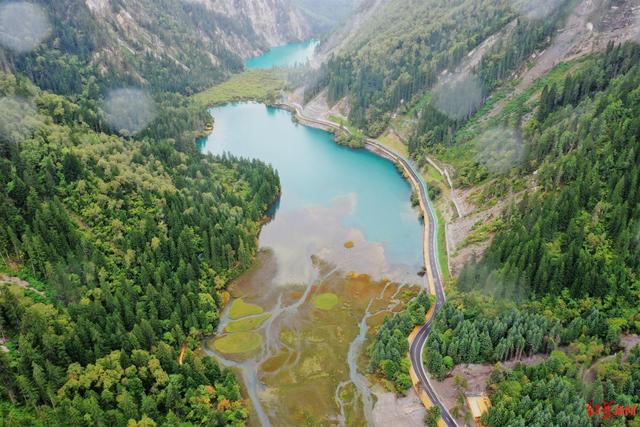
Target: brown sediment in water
305	386
302	363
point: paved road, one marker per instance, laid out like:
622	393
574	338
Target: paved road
417	346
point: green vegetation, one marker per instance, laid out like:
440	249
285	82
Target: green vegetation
481	231
168	46
443	257
132	239
433	416
240	342
388	351
399	53
566	253
578	233
351	136
251	85
344	123
471	336
240	309
440	126
534	396
325	301
392	142
248	324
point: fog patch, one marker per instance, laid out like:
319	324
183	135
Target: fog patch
18	119
535	9
129	110
499	150
460	97
23	26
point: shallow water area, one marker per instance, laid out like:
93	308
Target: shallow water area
288	55
341	251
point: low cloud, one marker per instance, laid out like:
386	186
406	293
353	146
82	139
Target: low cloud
459	97
535	9
18	119
23	26
499	150
129	110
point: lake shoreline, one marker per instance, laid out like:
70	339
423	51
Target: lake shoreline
402	165
425	209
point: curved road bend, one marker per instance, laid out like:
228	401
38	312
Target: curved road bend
417	346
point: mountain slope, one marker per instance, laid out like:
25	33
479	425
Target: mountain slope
169	45
130	242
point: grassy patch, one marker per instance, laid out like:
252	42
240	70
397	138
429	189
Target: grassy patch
239	309
431	174
247	324
241	342
442	247
325	301
347	125
470	129
481	231
522	102
391	141
421	103
256	85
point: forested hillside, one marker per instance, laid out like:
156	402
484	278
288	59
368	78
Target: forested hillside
407	46
168	45
133	239
580	232
324	16
567	252
122	243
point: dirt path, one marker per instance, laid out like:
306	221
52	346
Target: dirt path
183	349
628	342
4	279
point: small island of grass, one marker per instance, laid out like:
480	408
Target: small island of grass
325	301
247	324
240	342
240	309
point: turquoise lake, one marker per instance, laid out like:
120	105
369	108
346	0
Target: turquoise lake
330	195
284	56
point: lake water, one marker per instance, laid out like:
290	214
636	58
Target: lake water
284	56
345	226
329	191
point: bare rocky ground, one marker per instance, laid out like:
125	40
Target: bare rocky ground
477	376
458	229
393	411
591	26
318	108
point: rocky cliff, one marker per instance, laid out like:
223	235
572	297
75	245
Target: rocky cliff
174	45
266	23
